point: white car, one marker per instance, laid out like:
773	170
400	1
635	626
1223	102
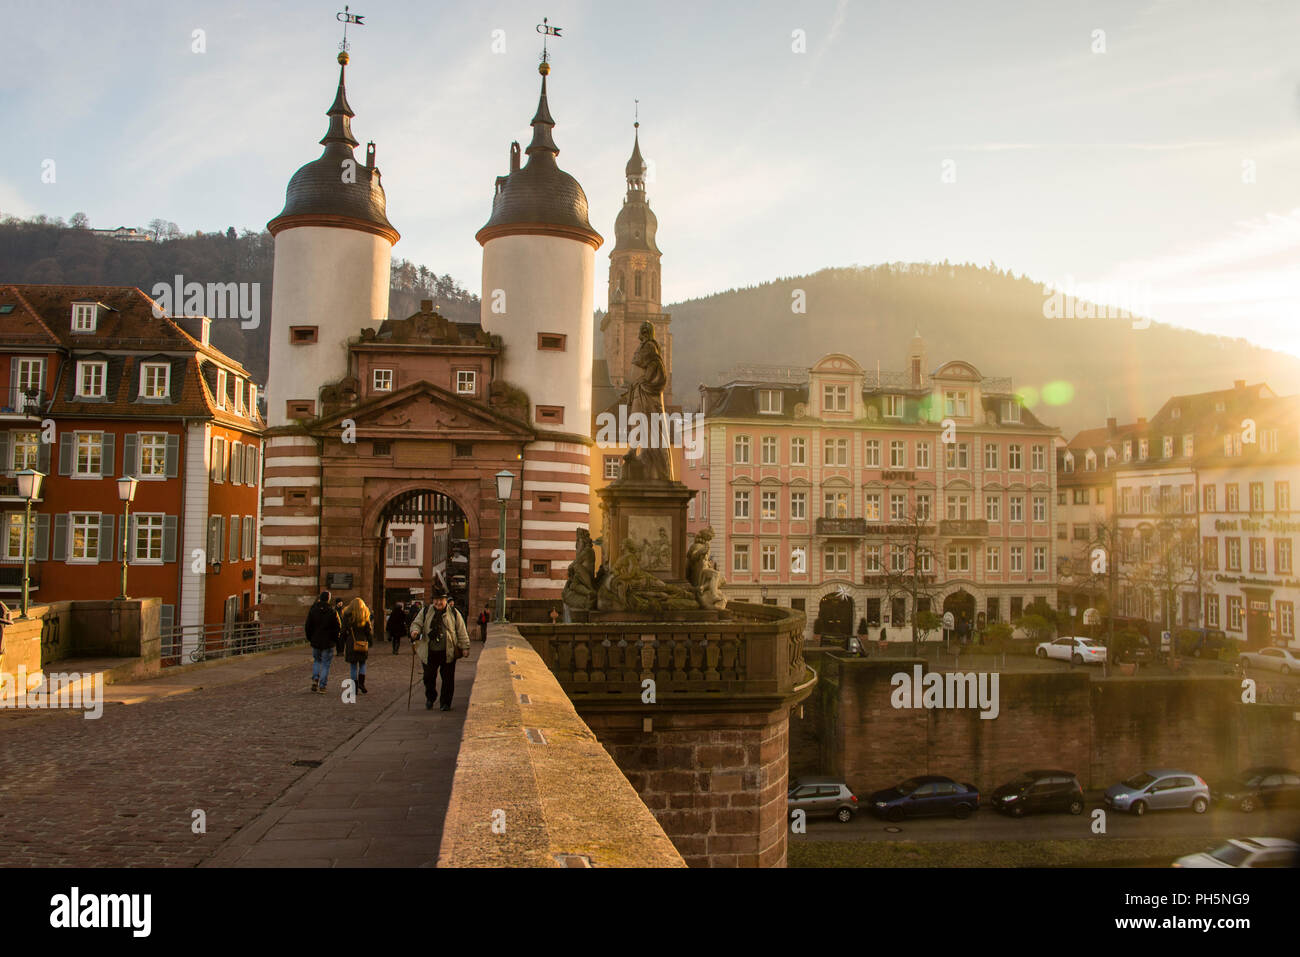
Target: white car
1247	852
1271	659
1082	651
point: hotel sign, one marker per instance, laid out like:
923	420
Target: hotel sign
898	476
1254	525
1260	582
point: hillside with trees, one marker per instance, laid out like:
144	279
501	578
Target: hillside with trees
983	315
41	250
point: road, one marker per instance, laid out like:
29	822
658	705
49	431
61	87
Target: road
1216	825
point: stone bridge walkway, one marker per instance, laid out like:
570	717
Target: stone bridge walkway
283	776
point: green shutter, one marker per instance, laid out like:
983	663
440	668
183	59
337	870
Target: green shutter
60	552
43	457
5	462
107	438
167	620
106	537
65	453
173	454
42	538
169	538
130	457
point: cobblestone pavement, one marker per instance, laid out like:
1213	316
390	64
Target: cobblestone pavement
121	790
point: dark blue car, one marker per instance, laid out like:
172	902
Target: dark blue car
927	795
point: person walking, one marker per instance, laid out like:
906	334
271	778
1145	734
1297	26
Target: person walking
323	627
396	626
483	619
443	628
358	633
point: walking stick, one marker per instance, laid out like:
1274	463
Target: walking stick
411	685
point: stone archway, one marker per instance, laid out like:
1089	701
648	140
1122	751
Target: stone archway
438	513
962	605
835	611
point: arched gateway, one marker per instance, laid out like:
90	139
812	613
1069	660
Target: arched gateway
440	545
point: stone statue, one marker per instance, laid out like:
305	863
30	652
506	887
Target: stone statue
628	587
703	574
580	590
646	396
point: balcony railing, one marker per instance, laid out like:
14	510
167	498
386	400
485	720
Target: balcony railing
758	652
854	527
24	401
964	527
11	575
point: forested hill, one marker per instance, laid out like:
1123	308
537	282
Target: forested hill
979	314
40	251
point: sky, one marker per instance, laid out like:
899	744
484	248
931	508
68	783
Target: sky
1150	150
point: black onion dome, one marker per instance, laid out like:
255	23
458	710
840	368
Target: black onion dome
540	194
319	189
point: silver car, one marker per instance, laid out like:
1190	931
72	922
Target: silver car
820	797
1247	852
1270	659
1159	789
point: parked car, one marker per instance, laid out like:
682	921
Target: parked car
1202	642
927	795
1260	787
1270	659
1037	791
822	797
1159	789
1247	852
1079	650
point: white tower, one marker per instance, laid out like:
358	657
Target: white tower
333	256
539	271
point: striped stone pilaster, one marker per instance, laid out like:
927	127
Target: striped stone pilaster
290	524
556	502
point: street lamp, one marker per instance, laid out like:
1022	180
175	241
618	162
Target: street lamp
126	492
763	593
505	483
29	487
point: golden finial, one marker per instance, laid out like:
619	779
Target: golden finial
343	59
544	68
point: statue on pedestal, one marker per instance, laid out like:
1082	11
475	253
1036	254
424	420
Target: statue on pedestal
580	590
645	395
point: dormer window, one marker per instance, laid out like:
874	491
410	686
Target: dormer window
1187	446
769	401
239	396
1128	451
1090	461
1143	450
1010	410
835	398
91	378
1220	406
381	380
1176	413
893	407
84	316
1069	461
221	389
1110	457
1169	447
155	380
956	402
252	401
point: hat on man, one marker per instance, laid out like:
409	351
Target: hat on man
439	590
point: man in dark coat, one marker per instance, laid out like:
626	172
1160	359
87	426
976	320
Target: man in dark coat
483	619
396	626
323	628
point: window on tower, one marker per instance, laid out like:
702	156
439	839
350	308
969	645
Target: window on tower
637	291
302	335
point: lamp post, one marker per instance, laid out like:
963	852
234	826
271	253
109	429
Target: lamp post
505	483
29	487
126	492
763	594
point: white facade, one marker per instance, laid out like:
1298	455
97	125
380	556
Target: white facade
538	284
334	279
1248	540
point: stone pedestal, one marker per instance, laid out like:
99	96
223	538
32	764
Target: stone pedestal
652	514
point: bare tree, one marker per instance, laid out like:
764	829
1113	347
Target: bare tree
910	569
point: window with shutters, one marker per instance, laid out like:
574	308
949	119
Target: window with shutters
89	461
233	554
26	450
14	537
221	388
236	463
151	455
216	529
248	538
218	469
83	544
147	538
251	453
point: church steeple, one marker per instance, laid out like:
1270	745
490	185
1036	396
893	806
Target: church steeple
636	167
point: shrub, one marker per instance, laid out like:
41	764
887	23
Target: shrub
1125	646
1036	627
862	626
997	637
1230	651
928	621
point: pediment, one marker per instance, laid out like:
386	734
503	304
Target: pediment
423	408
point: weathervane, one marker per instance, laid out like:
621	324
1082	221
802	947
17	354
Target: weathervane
345	18
546	30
